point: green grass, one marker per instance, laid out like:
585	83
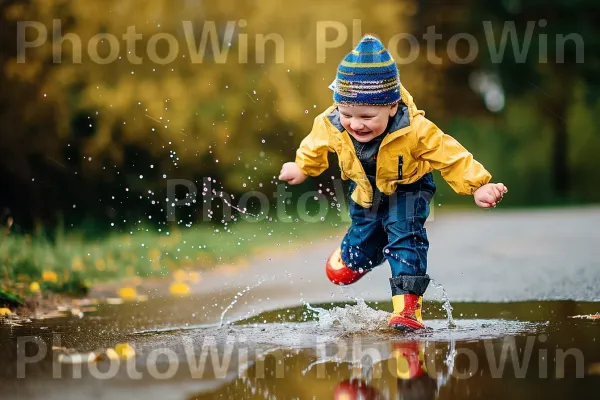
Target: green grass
71	262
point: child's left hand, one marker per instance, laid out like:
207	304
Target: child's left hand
488	195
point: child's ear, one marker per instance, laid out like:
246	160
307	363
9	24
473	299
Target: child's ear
393	110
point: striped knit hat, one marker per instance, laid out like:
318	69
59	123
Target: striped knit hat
368	75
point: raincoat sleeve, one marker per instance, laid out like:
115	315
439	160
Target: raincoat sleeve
458	167
311	156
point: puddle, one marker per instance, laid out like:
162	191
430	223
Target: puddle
338	351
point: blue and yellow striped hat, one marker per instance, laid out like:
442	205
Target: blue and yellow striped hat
368	75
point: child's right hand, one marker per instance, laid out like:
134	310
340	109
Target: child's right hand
291	173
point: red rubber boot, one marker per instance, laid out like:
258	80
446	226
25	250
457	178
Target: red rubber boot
407	313
338	272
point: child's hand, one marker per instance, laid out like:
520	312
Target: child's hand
291	173
488	195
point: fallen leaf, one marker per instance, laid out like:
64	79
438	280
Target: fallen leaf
4	312
127	293
124	350
49	276
179	289
591	316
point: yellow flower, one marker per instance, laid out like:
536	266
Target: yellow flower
34	287
49	276
77	264
127	293
179	289
5	311
124	350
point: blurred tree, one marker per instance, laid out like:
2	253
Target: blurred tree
550	59
92	124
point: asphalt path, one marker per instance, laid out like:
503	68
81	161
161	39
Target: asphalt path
486	256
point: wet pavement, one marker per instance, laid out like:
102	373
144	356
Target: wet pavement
514	279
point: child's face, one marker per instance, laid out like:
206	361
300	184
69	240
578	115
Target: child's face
365	123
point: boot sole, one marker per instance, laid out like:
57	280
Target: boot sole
404	328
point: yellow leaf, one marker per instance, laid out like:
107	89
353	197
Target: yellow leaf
179	289
5	311
124	350
127	293
49	276
34	287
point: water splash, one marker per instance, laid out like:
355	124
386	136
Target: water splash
359	317
236	298
242	211
444	378
446	304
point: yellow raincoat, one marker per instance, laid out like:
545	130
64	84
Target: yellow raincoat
413	147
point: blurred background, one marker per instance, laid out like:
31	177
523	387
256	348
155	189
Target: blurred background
93	125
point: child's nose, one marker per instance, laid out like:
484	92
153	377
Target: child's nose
356	125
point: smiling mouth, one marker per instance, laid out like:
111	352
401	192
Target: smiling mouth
362	133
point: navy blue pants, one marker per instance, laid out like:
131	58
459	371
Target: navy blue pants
393	229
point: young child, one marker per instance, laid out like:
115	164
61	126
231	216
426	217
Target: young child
387	148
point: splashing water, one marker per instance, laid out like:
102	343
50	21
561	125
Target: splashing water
237	297
446	305
359	317
443	379
234	207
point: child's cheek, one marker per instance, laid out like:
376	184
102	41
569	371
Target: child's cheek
375	127
345	124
